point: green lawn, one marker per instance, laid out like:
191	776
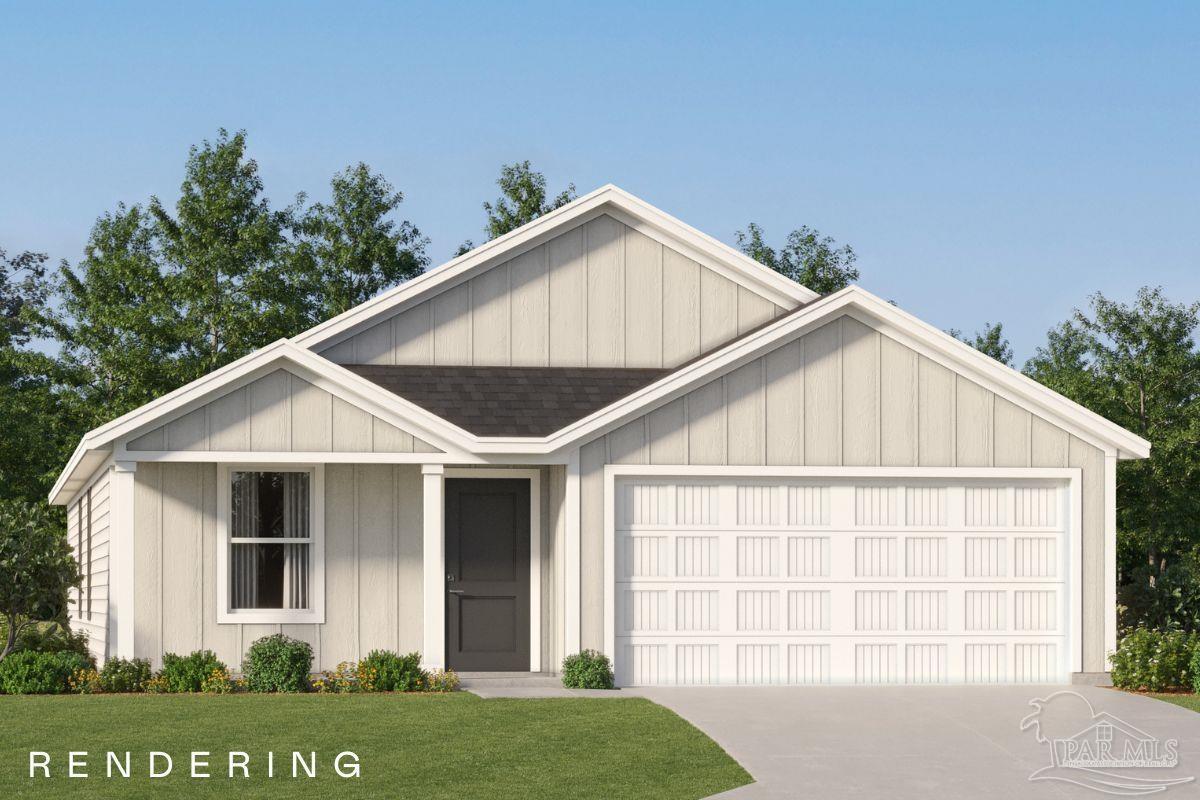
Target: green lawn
426	746
1191	701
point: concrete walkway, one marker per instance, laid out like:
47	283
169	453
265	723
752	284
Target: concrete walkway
914	742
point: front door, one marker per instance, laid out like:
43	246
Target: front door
487	574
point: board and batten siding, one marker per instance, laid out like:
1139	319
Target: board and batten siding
842	395
280	412
93	561
373	565
599	295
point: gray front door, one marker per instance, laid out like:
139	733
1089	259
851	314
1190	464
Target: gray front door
487	574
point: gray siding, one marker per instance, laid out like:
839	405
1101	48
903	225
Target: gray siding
95	624
843	395
599	295
280	412
373	564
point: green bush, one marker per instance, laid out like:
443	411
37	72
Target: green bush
187	673
587	670
29	672
1154	660
385	671
53	637
442	681
278	664
121	676
1194	666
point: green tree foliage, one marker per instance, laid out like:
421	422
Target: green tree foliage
36	568
222	250
164	296
989	341
807	257
118	322
1137	364
35	430
350	249
522	199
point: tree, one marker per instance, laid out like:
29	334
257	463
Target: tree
522	200
810	259
990	341
37	569
1138	365
119	322
350	250
33	442
23	290
221	250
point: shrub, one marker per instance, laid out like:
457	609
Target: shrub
187	673
28	672
385	671
84	681
121	676
339	681
440	680
53	637
156	685
1195	668
278	664
219	681
1154	660
587	670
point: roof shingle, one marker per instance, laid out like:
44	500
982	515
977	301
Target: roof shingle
509	401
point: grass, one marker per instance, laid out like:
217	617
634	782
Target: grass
1189	701
428	746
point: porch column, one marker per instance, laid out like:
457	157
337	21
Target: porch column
121	579
433	555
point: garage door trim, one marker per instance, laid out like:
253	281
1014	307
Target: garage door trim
1072	477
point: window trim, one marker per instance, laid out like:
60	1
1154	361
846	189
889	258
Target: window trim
316	590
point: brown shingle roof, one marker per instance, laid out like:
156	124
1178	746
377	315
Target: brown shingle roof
509	401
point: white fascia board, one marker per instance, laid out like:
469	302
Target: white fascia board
607	199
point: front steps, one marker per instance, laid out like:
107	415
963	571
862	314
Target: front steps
508	680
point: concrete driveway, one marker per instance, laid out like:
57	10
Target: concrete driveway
914	742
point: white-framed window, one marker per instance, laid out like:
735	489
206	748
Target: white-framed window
270	544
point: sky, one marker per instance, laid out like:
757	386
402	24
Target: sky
995	163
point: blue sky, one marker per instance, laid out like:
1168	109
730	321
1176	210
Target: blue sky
993	164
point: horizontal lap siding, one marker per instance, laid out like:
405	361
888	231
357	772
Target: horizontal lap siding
601	294
280	412
843	395
95	562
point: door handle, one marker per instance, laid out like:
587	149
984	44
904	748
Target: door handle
456	591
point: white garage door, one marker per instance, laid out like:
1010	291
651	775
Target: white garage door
800	581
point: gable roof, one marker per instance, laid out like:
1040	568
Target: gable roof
100	444
1000	379
509	401
610	200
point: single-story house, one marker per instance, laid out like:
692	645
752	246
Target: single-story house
608	430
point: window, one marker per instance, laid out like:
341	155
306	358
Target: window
271	545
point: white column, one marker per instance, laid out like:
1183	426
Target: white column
1110	557
572	566
434	559
121	599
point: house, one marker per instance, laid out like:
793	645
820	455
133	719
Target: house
608	430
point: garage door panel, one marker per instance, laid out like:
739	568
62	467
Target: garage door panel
786	581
